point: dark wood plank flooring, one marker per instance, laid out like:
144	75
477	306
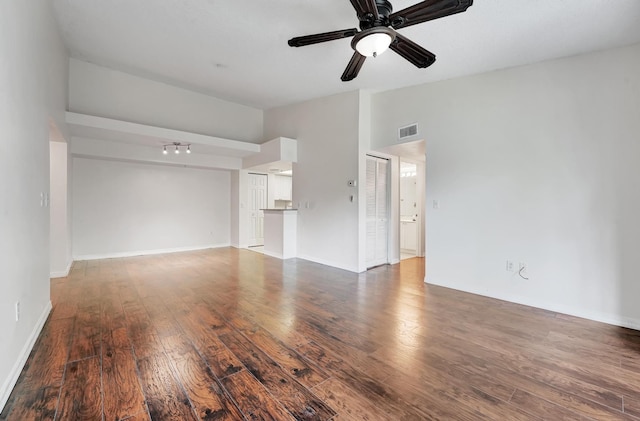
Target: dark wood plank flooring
231	334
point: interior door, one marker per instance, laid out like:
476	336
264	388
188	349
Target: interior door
377	211
257	201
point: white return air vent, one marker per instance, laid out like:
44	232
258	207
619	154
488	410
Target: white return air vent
407	131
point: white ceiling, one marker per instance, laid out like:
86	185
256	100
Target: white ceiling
237	50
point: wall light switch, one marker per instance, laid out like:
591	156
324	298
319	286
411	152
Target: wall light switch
436	204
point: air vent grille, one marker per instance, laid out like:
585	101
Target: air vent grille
407	131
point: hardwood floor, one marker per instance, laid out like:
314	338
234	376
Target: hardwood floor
229	334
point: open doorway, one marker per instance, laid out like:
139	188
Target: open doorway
266	186
407	231
409	210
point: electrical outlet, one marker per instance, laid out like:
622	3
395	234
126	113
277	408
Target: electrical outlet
522	267
17	311
509	266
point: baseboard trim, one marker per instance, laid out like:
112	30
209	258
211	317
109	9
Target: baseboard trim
329	263
147	252
610	319
275	255
14	374
62	273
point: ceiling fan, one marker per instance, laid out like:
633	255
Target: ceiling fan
377	31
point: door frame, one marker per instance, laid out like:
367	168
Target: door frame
388	201
252	238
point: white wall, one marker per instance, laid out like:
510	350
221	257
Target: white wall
33	75
535	164
59	226
99	91
234	208
122	208
328	155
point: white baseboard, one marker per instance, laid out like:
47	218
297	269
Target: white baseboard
10	382
277	256
62	273
329	263
146	252
610	319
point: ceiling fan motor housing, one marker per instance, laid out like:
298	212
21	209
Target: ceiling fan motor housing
368	21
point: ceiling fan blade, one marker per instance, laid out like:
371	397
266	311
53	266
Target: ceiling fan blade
323	37
427	10
411	51
353	68
365	7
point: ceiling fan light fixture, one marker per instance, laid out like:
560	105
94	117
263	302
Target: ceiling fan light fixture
373	42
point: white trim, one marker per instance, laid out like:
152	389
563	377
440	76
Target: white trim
276	255
329	263
7	387
62	273
611	319
147	252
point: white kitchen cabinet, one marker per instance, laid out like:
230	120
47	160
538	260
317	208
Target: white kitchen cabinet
408	235
282	188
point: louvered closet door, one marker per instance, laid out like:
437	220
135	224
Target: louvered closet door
377	211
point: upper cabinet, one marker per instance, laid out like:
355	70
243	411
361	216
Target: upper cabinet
282	188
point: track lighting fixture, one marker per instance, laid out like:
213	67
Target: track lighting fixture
177	146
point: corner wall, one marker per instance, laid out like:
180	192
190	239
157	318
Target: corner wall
59	205
327	130
33	86
535	164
